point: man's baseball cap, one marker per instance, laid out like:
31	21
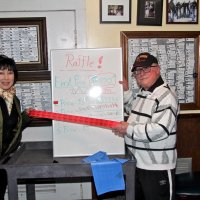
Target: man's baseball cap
144	60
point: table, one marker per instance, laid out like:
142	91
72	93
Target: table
34	161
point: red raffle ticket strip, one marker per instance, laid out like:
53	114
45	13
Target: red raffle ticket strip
74	119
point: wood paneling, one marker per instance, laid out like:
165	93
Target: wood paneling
188	138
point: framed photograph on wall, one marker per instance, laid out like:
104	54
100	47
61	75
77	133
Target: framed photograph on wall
25	40
182	11
115	11
149	12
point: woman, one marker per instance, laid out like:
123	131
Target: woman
12	121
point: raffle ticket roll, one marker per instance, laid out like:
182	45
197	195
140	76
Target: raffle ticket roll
74	119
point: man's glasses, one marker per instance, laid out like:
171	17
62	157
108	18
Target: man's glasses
139	70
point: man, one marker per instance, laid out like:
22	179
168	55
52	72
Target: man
172	11
150	131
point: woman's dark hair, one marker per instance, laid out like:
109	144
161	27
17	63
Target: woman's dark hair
9	63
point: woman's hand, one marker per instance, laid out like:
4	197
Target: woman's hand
27	110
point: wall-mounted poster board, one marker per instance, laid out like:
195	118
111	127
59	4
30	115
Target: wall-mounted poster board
178	56
34	91
34	94
85	82
24	39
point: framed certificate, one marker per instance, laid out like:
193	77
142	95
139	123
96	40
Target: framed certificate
24	40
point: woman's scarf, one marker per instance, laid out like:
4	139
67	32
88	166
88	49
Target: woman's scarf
8	96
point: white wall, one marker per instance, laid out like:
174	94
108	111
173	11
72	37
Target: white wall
65	29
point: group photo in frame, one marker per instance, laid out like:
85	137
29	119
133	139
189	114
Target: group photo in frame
149	12
115	11
182	11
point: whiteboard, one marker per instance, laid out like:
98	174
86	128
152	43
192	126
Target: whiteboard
85	82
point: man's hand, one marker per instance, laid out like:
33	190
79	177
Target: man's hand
121	129
124	84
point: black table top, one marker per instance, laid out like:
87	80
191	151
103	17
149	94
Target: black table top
188	184
31	153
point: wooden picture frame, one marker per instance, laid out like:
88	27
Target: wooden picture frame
182	12
192	38
36	77
115	11
149	12
25	40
